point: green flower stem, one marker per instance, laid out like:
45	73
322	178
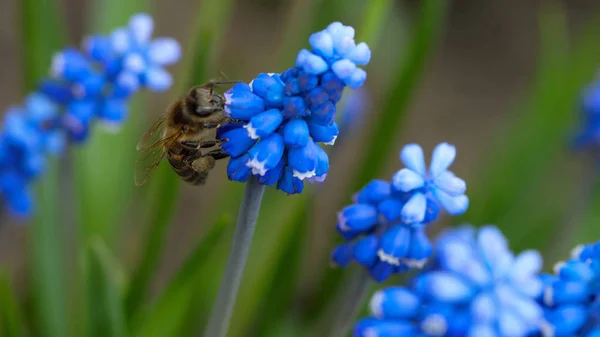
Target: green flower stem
234	270
353	298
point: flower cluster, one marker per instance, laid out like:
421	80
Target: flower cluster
571	297
475	287
391	216
589	136
94	83
285	115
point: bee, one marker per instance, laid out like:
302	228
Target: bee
181	134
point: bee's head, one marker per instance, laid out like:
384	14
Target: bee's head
202	101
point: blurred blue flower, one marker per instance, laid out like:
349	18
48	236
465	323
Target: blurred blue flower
589	135
391	216
475	287
286	115
571	297
95	83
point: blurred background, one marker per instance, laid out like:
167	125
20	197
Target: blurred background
500	80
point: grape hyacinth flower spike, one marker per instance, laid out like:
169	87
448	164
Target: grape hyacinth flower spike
571	297
475	287
280	119
285	116
95	83
389	218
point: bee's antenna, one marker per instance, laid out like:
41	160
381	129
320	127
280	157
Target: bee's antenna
224	75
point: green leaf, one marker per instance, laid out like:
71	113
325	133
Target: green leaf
11	317
104	282
171	312
510	190
43	33
164	186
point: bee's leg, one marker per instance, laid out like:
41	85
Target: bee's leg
218	154
210	143
203	164
190	144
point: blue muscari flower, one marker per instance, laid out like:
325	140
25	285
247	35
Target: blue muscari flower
474	287
571	297
94	83
391	216
589	135
286	115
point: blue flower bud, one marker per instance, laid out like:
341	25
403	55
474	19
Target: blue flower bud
565	320
407	180
164	51
35	164
20	203
395	243
294	106
325	134
270	88
273	175
450	183
157	79
453	205
307	82
90	86
412	156
322	166
381	270
113	112
303	160
365	250
56	90
264	124
238	142
317	97
373	193
238	170
443	156
70	65
395	303
414	209
324	114
40	108
444	287
391	209
266	154
241	103
288	183
289	74
141	26
564	292
344	69
361	54
292	87
311	63
322	44
98	48
357	217
296	133
357	79
120	41
419	250
576	271
370	327
342	255
331	82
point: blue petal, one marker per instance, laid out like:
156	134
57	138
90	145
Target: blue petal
442	158
407	180
114	112
361	54
564	292
288	183
370	327
311	63
141	26
381	270
414	210
365	250
98	47
454	205
120	41
450	183
241	103
71	65
576	271
158	79
510	324
484	308
322	43
342	255
324	114
395	303
164	51
56	142
266	154
331	82
391	209
303	160
35	164
395	242
412	156
90	86
273	175
56	90
135	63
567	320
317	97
264	124
482	330
338	30
357	79
20	203
238	142
125	85
374	192
444	287
357	217
294	106
526	265
296	133
40	108
270	88
419	250
307	82
238	170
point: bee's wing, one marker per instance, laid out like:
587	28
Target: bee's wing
152	151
